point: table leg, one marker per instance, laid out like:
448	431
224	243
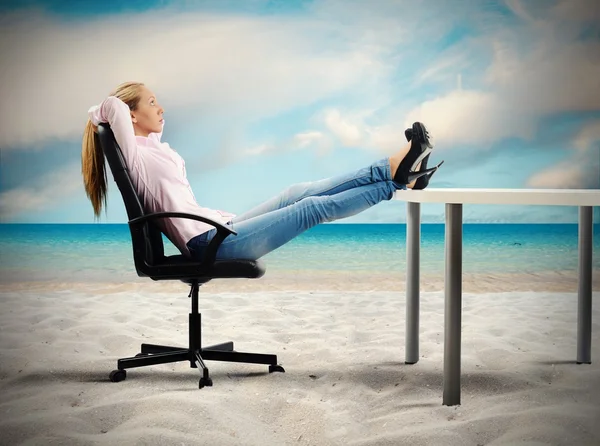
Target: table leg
584	294
453	304
413	242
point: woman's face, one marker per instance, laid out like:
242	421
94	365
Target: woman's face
147	118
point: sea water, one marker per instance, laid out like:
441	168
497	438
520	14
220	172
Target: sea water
102	252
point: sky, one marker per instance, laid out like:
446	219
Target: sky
261	94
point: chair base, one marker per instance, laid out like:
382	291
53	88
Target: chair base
152	354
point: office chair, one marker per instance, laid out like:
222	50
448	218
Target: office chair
150	261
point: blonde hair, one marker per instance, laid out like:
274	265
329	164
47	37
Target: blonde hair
92	157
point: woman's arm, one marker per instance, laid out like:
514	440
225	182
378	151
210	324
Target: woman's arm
116	113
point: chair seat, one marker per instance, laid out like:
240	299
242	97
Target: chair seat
181	268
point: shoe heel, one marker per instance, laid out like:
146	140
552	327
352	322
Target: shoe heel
416	175
420	158
423	181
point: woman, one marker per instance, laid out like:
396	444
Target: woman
159	177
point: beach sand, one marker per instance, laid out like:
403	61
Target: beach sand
341	340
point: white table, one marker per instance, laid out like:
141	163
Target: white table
454	200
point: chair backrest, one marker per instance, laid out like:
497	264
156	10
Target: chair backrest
147	242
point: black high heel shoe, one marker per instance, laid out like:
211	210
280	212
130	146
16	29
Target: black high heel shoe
422	182
420	148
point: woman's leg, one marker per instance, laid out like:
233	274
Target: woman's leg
381	170
264	233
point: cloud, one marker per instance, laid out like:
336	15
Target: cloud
258	150
578	11
444	69
221	65
245	68
308	138
459	117
517	70
581	170
556	76
349	133
55	186
518	9
588	136
249	67
564	176
469	117
349	128
538	67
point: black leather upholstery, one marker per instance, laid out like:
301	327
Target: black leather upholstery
146	237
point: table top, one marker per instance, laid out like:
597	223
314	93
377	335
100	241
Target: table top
558	197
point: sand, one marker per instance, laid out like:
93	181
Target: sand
341	342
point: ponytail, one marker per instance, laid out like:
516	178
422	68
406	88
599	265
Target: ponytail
93	169
92	157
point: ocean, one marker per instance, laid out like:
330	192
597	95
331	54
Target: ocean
102	252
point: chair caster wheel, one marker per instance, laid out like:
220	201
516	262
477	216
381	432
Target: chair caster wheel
276	368
117	375
205	382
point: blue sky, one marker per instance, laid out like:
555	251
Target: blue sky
261	94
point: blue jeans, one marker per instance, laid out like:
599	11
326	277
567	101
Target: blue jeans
297	209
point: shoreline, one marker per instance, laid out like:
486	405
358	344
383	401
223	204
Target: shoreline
319	281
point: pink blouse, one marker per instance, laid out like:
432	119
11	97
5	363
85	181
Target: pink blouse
158	175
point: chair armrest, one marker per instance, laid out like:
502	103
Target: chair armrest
155	215
211	250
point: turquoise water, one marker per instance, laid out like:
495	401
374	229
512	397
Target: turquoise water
80	252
